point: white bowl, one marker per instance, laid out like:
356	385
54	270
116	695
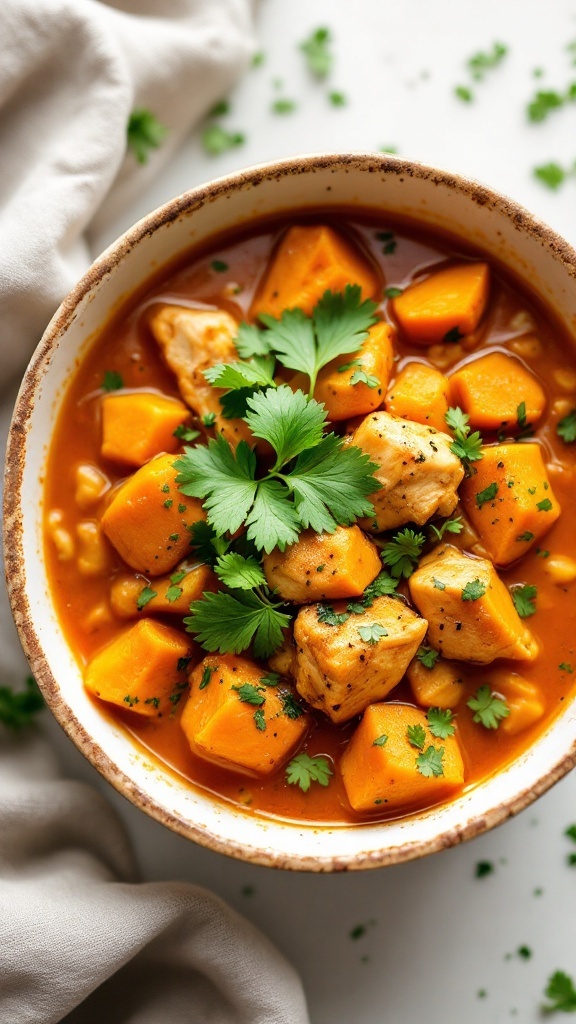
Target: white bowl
542	261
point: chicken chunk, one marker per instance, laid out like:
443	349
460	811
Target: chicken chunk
470	611
418	472
345	661
192	340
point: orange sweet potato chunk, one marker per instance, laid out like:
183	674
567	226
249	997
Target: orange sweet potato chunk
309	260
238	733
323	566
491	388
524	700
438	687
384	775
419	393
509	500
449	302
344	399
148	520
139	425
139	668
173	594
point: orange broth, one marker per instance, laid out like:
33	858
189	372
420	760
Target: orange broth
126	346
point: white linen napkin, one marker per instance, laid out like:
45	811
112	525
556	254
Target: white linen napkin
81	940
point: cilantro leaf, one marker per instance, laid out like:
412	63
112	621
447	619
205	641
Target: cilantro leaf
373	633
561	990
427	656
173	593
544	506
249	694
316	49
524	598
329	617
488	494
112	381
207	676
145	595
224	478
290	706
272	522
566	428
401	553
416	736
551	174
287	419
230	623
440	722
185	433
207	546
270	679
488	708
234	403
144	132
380	741
360	377
331	484
466	446
216	140
259	720
18	707
429	763
239	573
259	371
473	590
251	341
384	584
303	770
457	420
448	526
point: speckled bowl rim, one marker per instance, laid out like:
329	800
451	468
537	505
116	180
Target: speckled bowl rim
13	515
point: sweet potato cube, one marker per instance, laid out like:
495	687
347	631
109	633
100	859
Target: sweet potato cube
139	669
137	426
309	260
438	687
523	698
173	594
345	661
419	393
509	500
491	388
338	386
148	520
383	775
471	615
323	566
418	472
235	720
445	305
191	341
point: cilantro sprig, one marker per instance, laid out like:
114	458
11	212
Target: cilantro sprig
303	770
402	552
489	709
467	446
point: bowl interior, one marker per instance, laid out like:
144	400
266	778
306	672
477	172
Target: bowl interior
547	267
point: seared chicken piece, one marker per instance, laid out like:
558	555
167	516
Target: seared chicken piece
192	340
343	667
470	611
418	472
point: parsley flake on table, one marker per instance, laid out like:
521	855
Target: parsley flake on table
302	770
112	381
566	428
373	633
482	62
543	103
473	590
483	868
416	736
440	722
488	708
316	49
337	99
144	132
427	656
429	762
216	140
562	993
18	707
283	106
401	553
524	598
464	93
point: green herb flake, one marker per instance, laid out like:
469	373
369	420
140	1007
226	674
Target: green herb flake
182	664
145	595
427	656
258	59
429	763
270	679
488	494
303	770
144	132
217	140
462	92
380	741
570	833
416	736
544	506
542	553
393	293
561	992
317	52
373	633
484	868
219	266
448	526
482	62
566	428
220	109
526	536
207	674
564	666
524	952
131	701
112	381
209	419
473	590
290	706
329	617
401	553
249	694
437	584
440	722
283	106
360	377
154	701
182	509
185	433
168	503
259	720
543	103
173	593
18	707
524	598
488	708
337	99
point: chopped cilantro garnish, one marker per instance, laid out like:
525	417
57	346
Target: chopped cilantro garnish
360	377
131	701
259	720
429	763
440	722
207	674
168	503
566	428
144	132
373	633
565	666
316	49
302	770
526	536
384	584
230	623
401	553
219	266
145	595
448	526
185	433
182	664
270	679
380	741
480	62
524	952
250	694
466	446
437	584
488	708
209	419
427	656
524	598
488	494
329	617
112	381
18	707
173	593
393	293
473	590
416	736
154	701
290	706
543	103
544	506
258	59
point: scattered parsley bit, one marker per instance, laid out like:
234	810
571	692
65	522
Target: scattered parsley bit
173	593
182	664
393	293
570	833
329	617
416	736
566	428
131	701
488	708
380	741
316	50
360	377
168	503
219	109
564	666
427	656
438	585
388	149
483	868
358	931
480	62
165	488
259	720
209	419
466	446
526	536
543	103
448	526
144	132
464	93
552	175
290	706
388	240
524	952
562	993
207	674
372	634
112	381
145	595
174	537
18	707
524	598
283	106
429	763
384	584
542	553
217	140
488	494
473	590
401	553
154	701
320	568
270	679
453	336
185	433
544	506
249	694
337	99
258	59
302	770
440	722
348	366
219	266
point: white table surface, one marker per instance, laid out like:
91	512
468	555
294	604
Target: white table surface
435	936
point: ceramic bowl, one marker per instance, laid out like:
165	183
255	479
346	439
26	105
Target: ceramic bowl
541	260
